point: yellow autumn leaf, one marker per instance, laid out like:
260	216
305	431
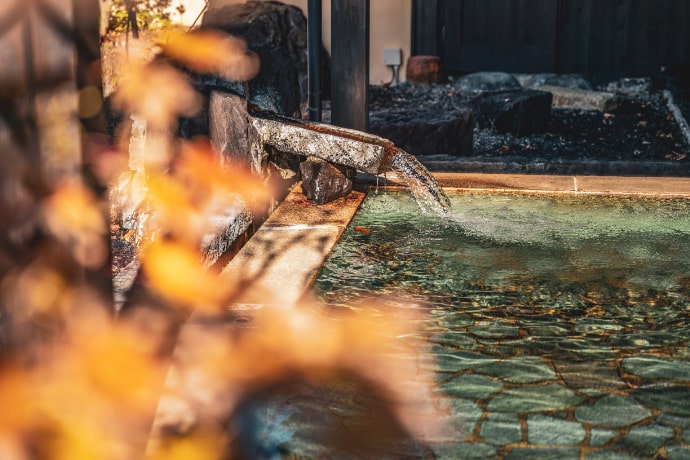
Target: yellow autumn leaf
157	92
73	215
176	272
196	448
198	166
116	367
15	400
211	51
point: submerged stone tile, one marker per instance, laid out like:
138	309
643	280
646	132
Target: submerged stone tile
458	339
596	325
606	454
547	330
612	411
471	386
495	329
501	428
599	437
546	430
459	361
654	367
524	453
672	420
520	370
465	416
677	452
463	451
647	339
454	320
589	375
665	397
646	440
534	399
588	348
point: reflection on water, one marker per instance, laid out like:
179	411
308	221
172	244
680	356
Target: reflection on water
582	300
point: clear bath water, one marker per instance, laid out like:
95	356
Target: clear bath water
578	275
554	326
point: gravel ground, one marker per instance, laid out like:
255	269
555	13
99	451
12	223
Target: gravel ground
641	128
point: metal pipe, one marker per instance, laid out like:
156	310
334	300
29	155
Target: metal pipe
314	30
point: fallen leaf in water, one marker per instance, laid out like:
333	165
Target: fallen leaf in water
362	230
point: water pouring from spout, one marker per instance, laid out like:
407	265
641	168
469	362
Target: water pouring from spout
426	190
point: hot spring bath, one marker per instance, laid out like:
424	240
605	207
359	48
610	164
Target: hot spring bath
559	323
552	315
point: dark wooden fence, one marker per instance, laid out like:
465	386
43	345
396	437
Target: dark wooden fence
603	39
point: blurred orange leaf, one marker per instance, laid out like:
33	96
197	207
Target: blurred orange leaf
73	215
157	92
212	52
176	272
17	411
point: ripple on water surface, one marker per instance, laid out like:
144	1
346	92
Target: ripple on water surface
558	324
598	270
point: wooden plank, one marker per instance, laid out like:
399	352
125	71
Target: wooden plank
505	35
572	36
425	27
350	63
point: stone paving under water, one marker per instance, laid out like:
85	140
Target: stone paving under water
582	372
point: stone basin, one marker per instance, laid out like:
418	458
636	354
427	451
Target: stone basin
524	420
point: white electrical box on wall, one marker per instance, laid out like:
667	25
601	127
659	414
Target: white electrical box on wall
392	56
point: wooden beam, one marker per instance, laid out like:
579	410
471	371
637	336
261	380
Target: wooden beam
350	63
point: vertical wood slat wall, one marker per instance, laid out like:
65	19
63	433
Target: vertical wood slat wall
604	39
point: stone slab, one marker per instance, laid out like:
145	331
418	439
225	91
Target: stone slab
612	185
580	99
280	262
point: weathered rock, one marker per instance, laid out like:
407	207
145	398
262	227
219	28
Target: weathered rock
278	34
580	99
630	86
481	82
426	130
517	112
572	80
323	182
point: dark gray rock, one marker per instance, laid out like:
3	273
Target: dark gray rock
480	82
630	86
323	182
426	130
574	81
278	34
517	112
